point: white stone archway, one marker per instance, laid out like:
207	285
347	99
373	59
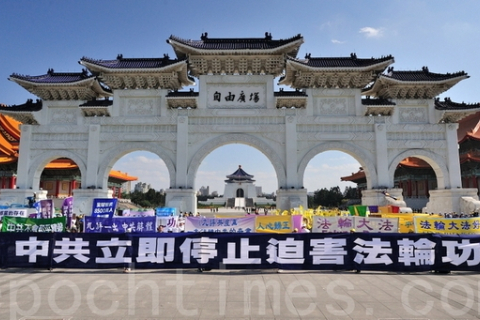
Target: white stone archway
347	104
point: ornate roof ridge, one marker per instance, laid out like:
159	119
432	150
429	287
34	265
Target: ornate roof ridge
353	56
429	76
129	63
205	38
52	74
448	104
28	106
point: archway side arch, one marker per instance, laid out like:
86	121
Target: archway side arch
247	139
434	160
365	160
39	163
109	159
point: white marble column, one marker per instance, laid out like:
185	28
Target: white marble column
182	152
291	151
381	157
93	157
453	157
23	165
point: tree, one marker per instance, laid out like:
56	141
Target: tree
150	199
328	198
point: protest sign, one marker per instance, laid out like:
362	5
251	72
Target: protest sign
274	224
104	208
119	224
12	212
230	225
11	224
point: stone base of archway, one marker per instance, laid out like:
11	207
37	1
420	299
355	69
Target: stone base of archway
448	200
10	197
83	199
185	200
383	197
291	198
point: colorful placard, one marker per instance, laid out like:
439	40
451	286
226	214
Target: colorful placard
229	225
14	224
433	224
274	224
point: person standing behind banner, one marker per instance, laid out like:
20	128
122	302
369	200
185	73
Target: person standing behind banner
128	267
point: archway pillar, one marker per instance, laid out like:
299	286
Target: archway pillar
449	200
454	172
291	198
381	155
182	152
93	154
291	151
376	197
83	199
185	200
23	164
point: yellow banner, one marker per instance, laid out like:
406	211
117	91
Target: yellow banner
274	224
405	220
447	225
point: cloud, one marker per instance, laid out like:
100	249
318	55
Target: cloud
372	32
337	41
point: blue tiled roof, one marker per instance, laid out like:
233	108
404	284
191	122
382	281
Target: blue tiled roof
448	104
55	77
421	75
133	63
236	43
341	62
27	106
239	175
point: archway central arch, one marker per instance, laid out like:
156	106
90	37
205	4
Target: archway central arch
247	139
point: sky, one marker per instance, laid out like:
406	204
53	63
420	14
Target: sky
38	35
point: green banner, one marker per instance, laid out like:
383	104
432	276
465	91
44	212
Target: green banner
358	211
14	224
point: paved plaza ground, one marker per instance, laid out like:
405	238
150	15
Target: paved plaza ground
236	294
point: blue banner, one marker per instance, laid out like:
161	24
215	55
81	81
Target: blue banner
120	224
165	211
104	208
308	251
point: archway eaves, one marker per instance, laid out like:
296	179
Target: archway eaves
224	139
366	160
110	158
436	161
